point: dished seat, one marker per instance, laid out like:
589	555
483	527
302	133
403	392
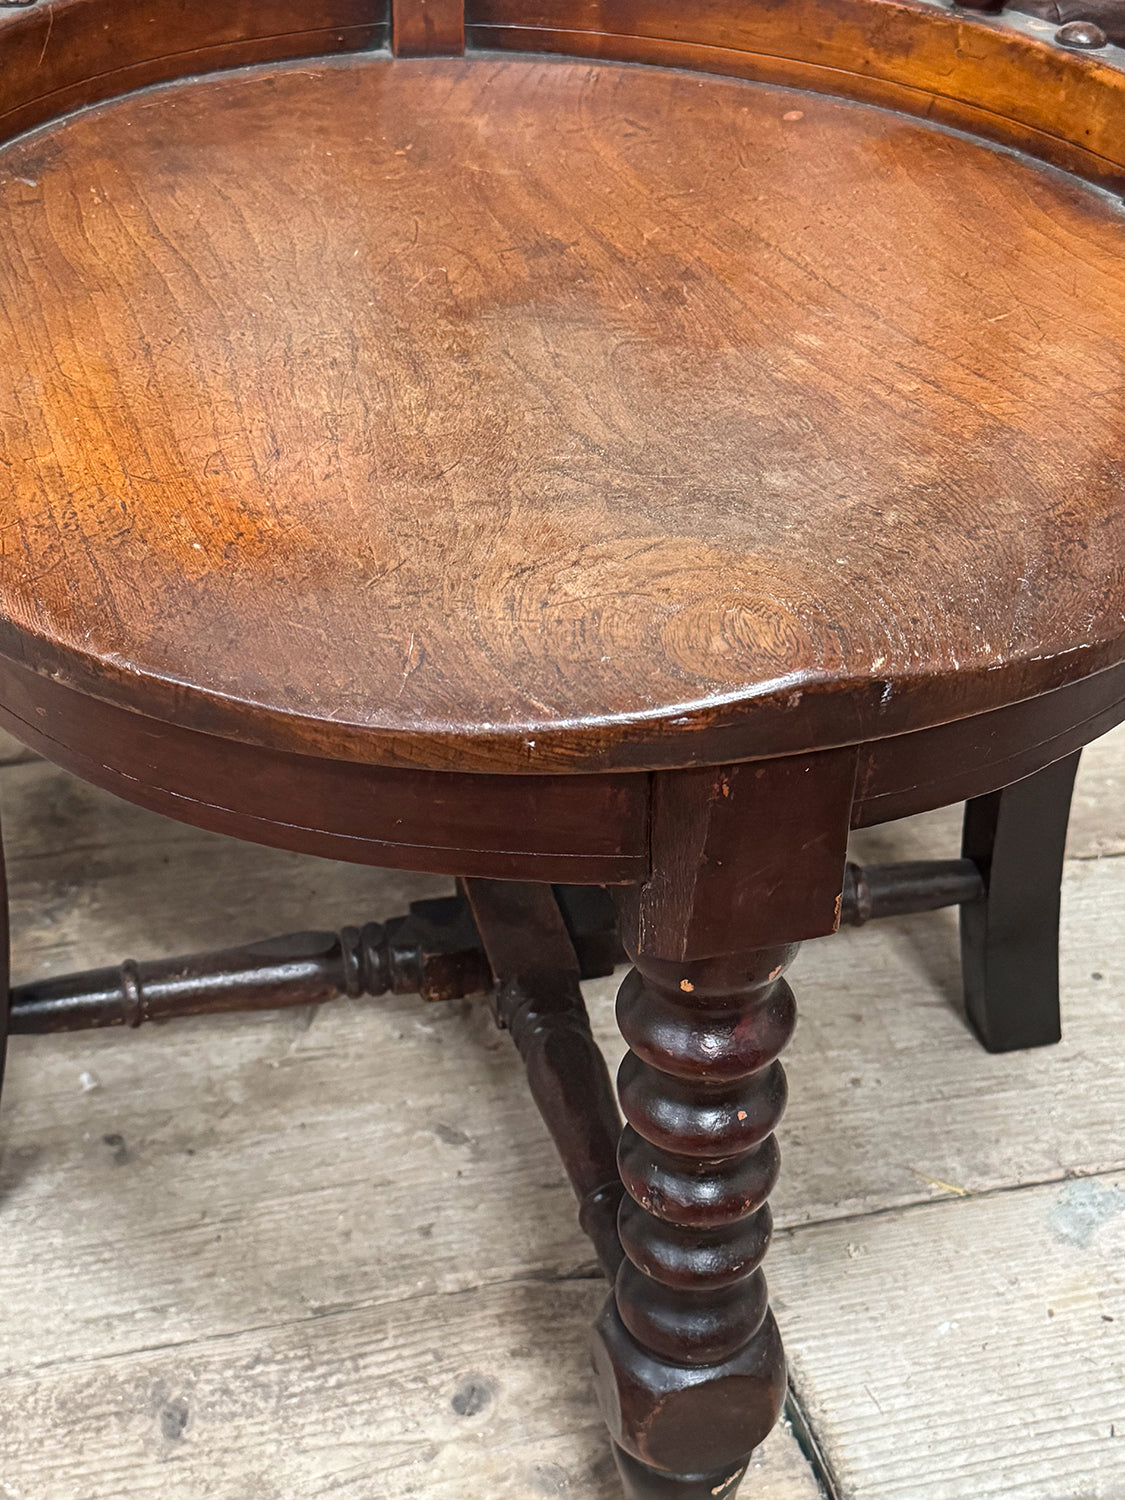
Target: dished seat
522	414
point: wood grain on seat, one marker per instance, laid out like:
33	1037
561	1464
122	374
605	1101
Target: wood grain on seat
533	415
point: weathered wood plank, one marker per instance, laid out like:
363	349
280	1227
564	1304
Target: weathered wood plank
892	1097
966	1350
1097	819
11	751
270	1166
486	1394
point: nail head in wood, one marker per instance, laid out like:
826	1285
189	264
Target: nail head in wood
1082	34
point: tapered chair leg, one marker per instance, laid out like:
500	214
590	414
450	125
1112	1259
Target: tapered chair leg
1010	938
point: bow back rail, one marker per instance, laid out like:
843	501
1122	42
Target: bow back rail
1002	74
1088	24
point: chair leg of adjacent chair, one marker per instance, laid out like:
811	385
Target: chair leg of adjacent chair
1010	937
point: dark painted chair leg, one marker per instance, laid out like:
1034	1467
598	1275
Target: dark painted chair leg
1010	938
689	1362
539	1000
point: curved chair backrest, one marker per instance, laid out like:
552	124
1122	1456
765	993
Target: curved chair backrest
998	74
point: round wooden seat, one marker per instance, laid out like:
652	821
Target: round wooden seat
525	415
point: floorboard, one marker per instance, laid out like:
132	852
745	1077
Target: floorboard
974	1348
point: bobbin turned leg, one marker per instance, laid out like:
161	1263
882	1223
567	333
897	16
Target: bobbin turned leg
689	1365
688	1340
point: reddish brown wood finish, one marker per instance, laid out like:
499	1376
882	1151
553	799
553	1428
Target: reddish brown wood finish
915	772
689	1364
690	1370
707	468
722	852
428	28
389	442
63	54
538	999
951	66
583	829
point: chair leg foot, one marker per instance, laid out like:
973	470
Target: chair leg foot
642	1483
1010	938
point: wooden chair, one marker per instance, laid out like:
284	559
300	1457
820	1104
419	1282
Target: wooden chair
577	477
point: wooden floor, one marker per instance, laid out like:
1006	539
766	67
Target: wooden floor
298	1256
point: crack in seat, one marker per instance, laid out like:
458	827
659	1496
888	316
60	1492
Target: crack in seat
520	414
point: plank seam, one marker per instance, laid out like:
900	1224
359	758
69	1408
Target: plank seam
28	1372
792	1230
811	1447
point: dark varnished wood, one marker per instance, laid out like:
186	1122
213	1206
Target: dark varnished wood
561	828
690	1370
689	1365
952	762
1010	937
751	539
897	890
538	1000
722	848
557	828
435	952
